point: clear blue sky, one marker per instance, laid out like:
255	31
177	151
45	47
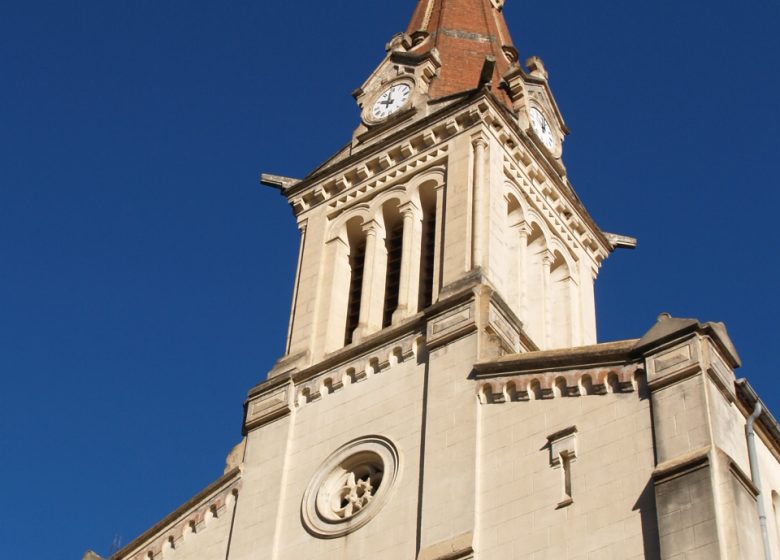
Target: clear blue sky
145	277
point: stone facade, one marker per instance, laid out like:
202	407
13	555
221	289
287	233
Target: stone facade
443	394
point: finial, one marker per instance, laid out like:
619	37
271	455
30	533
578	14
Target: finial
664	317
536	67
399	42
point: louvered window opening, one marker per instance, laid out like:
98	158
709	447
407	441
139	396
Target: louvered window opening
428	250
357	262
393	278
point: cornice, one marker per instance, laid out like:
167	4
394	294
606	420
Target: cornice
364	153
553	174
596	355
150	543
428	138
456	295
768	427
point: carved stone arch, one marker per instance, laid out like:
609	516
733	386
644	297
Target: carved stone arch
398	193
231	497
514	210
435	176
561	268
639	380
337	228
485	393
535	389
534	279
511	392
511	187
612	382
586	385
566	252
491	393
536	221
170	542
396	355
561	387
533	217
303	396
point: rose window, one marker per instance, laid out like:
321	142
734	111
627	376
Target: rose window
358	487
350	487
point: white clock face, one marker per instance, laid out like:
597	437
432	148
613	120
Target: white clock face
542	128
391	101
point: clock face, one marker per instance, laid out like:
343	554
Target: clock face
542	128
391	100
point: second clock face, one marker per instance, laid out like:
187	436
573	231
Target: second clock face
391	101
542	128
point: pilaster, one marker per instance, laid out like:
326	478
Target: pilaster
705	500
408	289
372	293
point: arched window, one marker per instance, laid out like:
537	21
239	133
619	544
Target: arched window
515	251
561	302
394	244
534	319
357	257
427	245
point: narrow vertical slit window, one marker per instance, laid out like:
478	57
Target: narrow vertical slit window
427	254
394	244
357	259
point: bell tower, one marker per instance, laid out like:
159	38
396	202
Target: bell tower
442	395
454	175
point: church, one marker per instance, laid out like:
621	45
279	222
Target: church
442	394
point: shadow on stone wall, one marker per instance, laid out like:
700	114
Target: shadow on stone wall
647	512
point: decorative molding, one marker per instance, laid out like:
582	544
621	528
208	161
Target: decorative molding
502	328
358	369
451	325
561	217
560	384
364	471
721	374
682	465
671	365
562	443
192	518
268	406
367	173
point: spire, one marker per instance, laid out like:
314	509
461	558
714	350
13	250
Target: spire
465	34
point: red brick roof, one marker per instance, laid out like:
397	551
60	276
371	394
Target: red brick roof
464	32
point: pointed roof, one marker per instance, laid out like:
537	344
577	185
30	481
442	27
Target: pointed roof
464	32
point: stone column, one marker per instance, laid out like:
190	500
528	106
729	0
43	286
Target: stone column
438	242
409	282
335	279
480	227
522	273
368	293
547	304
705	500
572	288
290	325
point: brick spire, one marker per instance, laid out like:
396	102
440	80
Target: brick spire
464	32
